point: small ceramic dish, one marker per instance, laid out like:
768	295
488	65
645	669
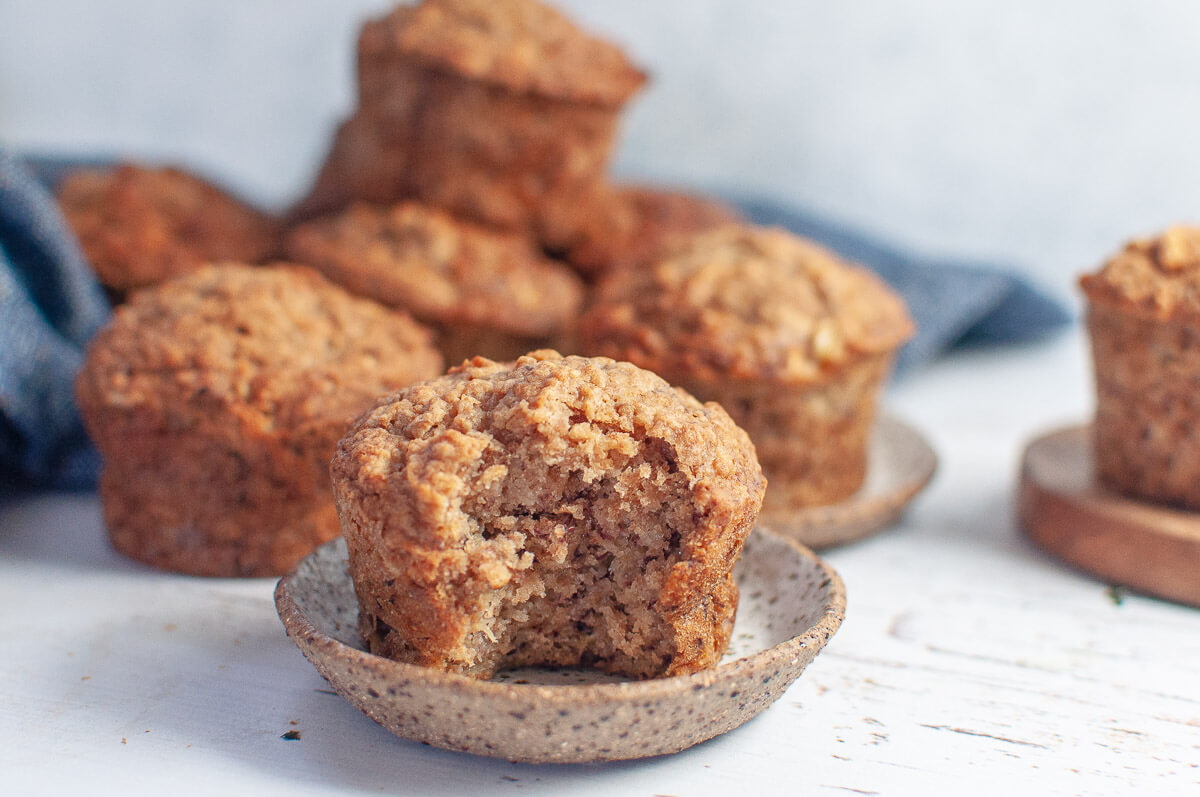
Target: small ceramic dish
791	604
900	464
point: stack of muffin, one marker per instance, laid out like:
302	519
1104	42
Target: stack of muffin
504	114
465	204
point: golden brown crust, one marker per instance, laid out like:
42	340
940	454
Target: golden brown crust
499	112
811	441
1144	323
559	511
443	271
745	303
524	46
140	226
630	225
533	157
793	342
1155	277
1147	428
217	399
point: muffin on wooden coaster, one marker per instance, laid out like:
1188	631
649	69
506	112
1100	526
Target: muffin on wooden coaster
492	110
792	341
633	223
1144	322
486	292
557	511
140	226
217	400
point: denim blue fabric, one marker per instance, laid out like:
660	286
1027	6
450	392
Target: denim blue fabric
51	305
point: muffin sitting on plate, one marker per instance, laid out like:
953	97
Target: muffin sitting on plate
1144	321
557	511
792	341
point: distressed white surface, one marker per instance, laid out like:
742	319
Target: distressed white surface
967	659
1041	133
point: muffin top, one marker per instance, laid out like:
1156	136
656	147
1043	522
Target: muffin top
279	345
520	45
139	226
746	303
490	437
636	222
1157	277
442	270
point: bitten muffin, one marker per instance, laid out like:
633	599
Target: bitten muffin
1143	317
217	400
556	511
495	111
140	226
791	340
631	224
486	292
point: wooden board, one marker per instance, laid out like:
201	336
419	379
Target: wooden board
1147	547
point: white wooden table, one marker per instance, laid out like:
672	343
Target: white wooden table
968	661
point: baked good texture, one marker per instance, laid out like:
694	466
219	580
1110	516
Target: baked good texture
1143	319
496	111
139	226
558	511
628	225
217	400
486	292
793	342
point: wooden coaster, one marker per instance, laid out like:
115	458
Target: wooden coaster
1147	547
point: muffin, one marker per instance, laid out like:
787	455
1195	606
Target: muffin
1143	317
556	511
140	226
793	342
632	224
493	111
486	292
217	399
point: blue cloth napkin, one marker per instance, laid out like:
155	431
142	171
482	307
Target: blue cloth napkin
51	305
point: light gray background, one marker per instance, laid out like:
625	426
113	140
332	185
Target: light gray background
1036	133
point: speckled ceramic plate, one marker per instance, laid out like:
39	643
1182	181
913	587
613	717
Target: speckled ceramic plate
791	603
899	464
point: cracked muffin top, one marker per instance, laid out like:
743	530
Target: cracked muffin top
139	226
1156	277
279	344
562	511
440	269
497	435
746	303
521	45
